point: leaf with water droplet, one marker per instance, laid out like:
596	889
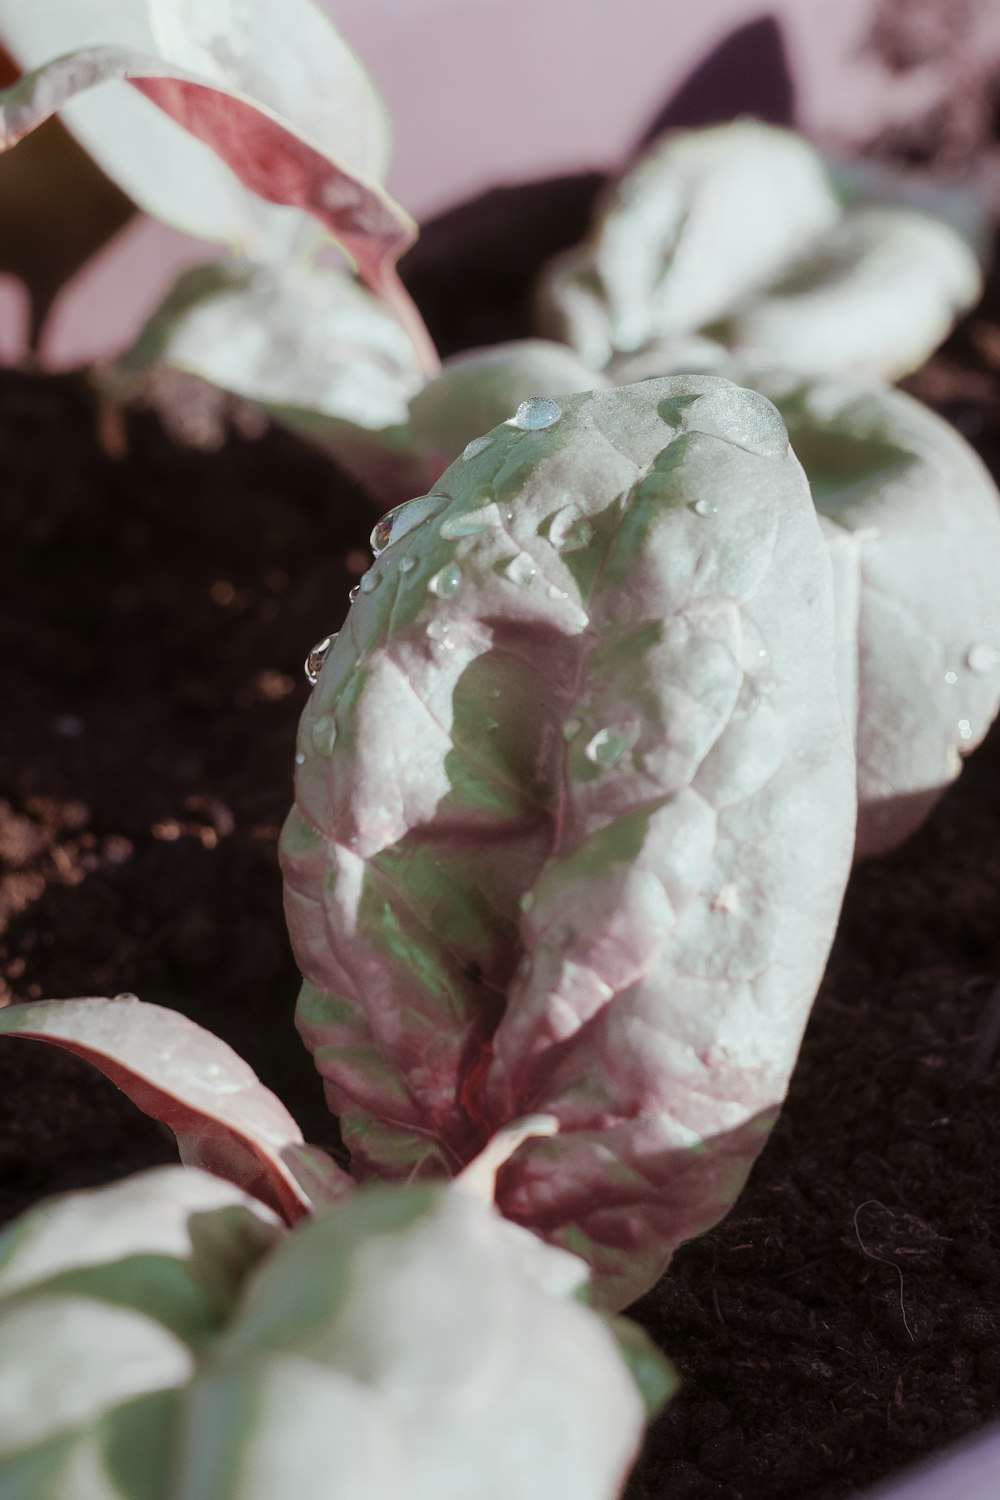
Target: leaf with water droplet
537	413
407	873
447	581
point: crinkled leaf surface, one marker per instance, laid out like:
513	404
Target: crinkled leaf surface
224	1119
912	522
737	231
304	160
410	1342
703	218
299	336
573	818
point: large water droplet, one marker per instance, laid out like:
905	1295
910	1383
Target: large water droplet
964	729
470	522
609	745
478	445
705	508
569	530
407	564
445	583
521	570
571	728
316	658
324	732
396	523
982	658
370	581
537	412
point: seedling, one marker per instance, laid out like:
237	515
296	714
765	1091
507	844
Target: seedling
575	801
168	1336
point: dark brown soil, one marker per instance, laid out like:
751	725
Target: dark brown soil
155	607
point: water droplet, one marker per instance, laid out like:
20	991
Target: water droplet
527	901
705	508
445	583
370	581
406	564
490	725
438	631
571	729
951	678
964	729
300	759
355	591
316	658
521	570
569	530
494	692
609	745
470	522
478	445
396	523
555	592
324	732
535	413
982	658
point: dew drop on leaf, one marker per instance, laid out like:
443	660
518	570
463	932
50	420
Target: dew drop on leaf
316	658
445	583
370	581
355	591
478	445
396	523
521	570
406	564
951	678
705	508
536	413
964	729
300	759
609	745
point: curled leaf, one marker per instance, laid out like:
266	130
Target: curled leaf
161	1339
574	814
224	1119
298	337
737	231
701	220
442	1354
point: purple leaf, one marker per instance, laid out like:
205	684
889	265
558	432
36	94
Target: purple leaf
224	1119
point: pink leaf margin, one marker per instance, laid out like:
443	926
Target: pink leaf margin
225	1120
266	153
